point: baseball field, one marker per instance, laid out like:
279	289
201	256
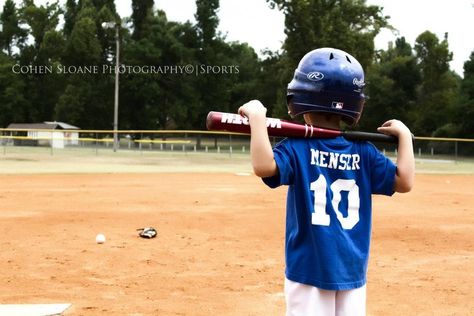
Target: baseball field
219	248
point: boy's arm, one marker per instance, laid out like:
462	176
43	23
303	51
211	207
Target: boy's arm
405	176
261	152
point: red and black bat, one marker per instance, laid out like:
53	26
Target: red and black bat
230	122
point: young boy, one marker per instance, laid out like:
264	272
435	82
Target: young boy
328	220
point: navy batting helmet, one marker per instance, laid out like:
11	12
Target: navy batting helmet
328	80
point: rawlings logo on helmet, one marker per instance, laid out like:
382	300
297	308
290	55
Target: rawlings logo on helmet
337	105
315	76
359	83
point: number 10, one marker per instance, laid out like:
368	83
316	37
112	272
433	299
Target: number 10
320	217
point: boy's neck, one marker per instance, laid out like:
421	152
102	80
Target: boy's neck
323	120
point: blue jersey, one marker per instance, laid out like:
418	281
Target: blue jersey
329	207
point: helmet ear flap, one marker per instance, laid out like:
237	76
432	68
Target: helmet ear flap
289	104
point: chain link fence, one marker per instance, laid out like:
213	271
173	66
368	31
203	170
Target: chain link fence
91	142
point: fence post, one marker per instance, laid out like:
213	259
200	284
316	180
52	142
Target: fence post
456	150
4	141
52	140
140	144
96	144
184	145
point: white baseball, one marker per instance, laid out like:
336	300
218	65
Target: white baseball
100	238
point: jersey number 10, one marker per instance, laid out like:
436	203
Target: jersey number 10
320	217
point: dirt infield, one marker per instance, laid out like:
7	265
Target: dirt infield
219	249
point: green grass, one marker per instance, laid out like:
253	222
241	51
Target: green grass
14	160
86	160
459	166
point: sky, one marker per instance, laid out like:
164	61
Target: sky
252	21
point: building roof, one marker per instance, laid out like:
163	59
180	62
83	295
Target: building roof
63	125
44	125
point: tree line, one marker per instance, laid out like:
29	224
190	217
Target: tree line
57	62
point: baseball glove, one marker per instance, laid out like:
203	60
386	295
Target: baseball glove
147	232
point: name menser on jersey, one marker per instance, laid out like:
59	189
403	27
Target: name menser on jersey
333	160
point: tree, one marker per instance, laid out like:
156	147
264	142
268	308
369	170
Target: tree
106	12
242	74
83	46
207	20
464	110
163	97
14	105
87	98
210	52
12	34
41	20
44	51
349	25
271	87
140	11
439	84
392	84
70	13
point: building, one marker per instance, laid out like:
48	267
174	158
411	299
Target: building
54	134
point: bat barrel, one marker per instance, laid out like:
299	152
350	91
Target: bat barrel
231	122
372	137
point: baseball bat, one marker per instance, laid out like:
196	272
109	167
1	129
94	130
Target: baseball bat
230	122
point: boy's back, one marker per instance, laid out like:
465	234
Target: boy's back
329	207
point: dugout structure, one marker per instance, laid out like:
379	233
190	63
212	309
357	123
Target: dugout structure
51	134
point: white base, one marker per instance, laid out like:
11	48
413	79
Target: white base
33	309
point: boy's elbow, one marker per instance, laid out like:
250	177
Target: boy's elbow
262	173
404	189
265	170
403	186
